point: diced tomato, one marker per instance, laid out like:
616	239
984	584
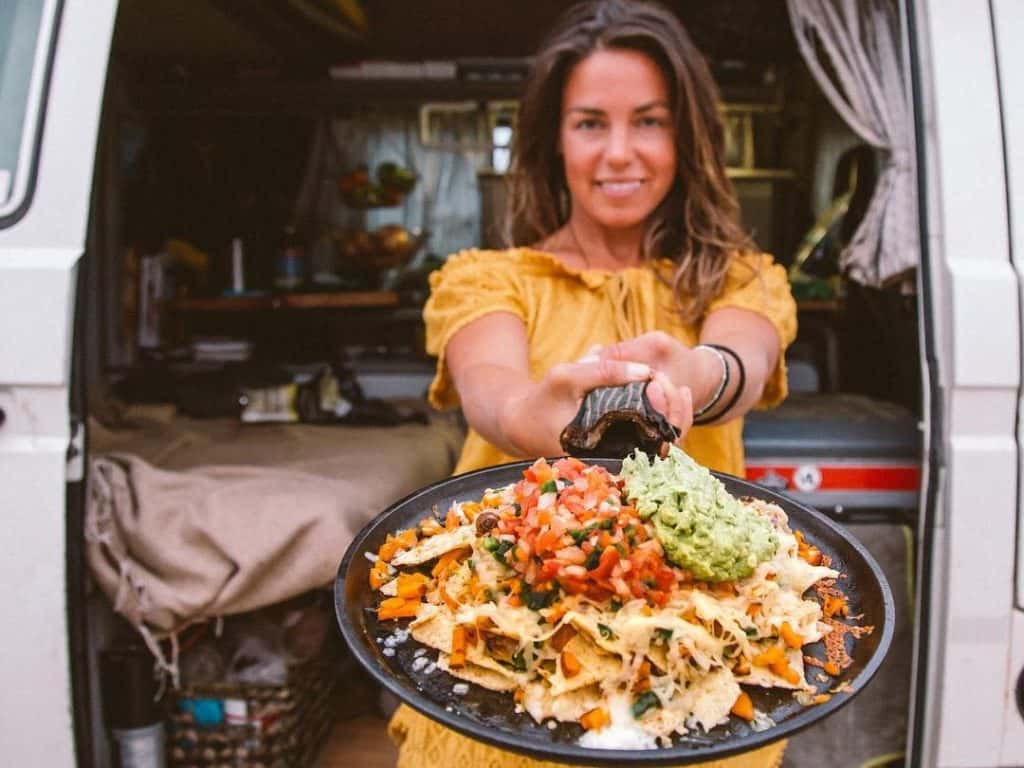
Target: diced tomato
569	467
547	541
597	592
551	567
573	586
540	472
609	559
657	597
665	578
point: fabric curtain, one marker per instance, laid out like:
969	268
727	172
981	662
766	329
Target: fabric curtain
445	201
854	49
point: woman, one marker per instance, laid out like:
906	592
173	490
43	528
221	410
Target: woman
639	270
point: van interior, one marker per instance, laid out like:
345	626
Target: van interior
275	181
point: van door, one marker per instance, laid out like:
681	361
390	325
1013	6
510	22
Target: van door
1008	25
971	640
53	60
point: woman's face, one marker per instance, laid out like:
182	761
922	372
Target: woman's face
617	138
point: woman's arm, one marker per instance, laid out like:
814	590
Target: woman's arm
750	335
489	363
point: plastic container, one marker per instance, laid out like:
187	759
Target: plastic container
140	747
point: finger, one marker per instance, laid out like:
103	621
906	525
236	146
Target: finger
686	395
592	355
664	397
676	403
583	377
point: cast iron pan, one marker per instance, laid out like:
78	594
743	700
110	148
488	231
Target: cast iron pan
489	716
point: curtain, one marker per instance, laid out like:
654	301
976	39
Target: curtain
854	50
445	201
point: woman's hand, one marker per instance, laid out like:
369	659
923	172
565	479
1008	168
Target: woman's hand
533	421
750	337
683	366
489	364
674	403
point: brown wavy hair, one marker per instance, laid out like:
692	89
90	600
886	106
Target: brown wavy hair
697	224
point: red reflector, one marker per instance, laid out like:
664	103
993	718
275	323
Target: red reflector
808	476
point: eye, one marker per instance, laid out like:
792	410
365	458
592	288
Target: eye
588	124
653	121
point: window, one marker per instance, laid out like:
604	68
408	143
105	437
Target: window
26	37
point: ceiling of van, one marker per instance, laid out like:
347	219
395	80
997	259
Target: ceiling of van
293	36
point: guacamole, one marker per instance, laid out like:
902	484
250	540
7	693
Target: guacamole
701	527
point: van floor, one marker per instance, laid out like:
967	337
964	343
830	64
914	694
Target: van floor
361	742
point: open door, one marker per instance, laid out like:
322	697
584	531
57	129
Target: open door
970	646
53	60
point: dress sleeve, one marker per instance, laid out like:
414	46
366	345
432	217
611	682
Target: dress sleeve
755	282
470	285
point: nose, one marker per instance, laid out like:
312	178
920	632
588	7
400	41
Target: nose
619	149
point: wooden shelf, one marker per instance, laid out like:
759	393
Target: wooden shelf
326	300
818	305
314	97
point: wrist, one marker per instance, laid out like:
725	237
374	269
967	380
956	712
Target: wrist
711	380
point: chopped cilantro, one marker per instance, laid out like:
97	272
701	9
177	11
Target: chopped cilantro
581	533
606	524
549	487
502	548
489	543
751	631
537	600
664	634
606	631
471	563
645	701
519	662
615	604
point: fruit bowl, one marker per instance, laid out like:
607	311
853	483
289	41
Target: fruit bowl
388	247
393	182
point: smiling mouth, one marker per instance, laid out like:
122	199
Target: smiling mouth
620	188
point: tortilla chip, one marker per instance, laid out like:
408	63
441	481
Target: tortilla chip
765	678
711	697
665	721
567	707
587	625
658	654
472	673
596	665
435	546
435	630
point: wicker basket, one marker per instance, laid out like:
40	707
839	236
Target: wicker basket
284	726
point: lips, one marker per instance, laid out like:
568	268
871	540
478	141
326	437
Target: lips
620	187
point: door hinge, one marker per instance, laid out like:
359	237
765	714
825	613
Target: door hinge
76	453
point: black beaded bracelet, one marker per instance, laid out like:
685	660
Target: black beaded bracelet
741	375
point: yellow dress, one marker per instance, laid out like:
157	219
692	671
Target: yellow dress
566	311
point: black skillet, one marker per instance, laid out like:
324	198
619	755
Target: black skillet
489	716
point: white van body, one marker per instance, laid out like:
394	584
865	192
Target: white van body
970	601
